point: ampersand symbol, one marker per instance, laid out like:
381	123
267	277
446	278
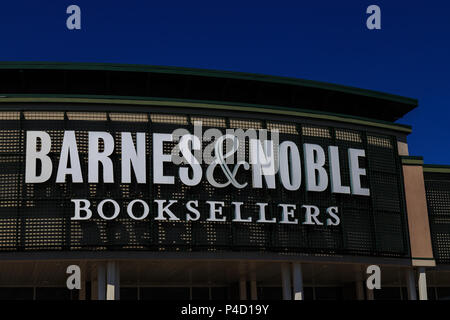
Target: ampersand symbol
220	160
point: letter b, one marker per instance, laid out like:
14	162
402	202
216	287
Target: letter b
32	155
78	209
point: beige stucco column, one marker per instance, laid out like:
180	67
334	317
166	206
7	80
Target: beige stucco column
417	211
402	148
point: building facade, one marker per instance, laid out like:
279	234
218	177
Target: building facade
298	187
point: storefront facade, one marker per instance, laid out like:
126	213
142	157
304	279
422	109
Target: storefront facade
89	178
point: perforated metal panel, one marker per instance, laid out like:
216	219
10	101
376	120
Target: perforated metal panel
438	200
37	216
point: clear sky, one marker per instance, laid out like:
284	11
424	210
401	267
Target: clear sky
317	40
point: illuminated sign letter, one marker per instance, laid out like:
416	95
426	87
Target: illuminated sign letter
314	162
133	157
356	172
335	172
263	163
191	160
79	208
290	158
215	211
310	216
192	209
237	213
159	158
288	213
262	214
165	209
95	156
32	154
69	149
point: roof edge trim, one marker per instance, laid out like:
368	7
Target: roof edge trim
437	168
209	73
33	98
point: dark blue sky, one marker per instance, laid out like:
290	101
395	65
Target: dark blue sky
318	40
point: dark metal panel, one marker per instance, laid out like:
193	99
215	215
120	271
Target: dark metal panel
437	187
37	217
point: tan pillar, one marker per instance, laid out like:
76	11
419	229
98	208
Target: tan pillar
402	148
417	211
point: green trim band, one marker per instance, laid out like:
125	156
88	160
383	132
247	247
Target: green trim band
436	168
10	98
412	157
210	73
412	160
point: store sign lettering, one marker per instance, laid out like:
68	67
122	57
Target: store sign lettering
272	165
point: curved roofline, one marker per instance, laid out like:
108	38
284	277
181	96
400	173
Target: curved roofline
105	99
208	73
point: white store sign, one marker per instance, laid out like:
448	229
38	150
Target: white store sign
272	165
